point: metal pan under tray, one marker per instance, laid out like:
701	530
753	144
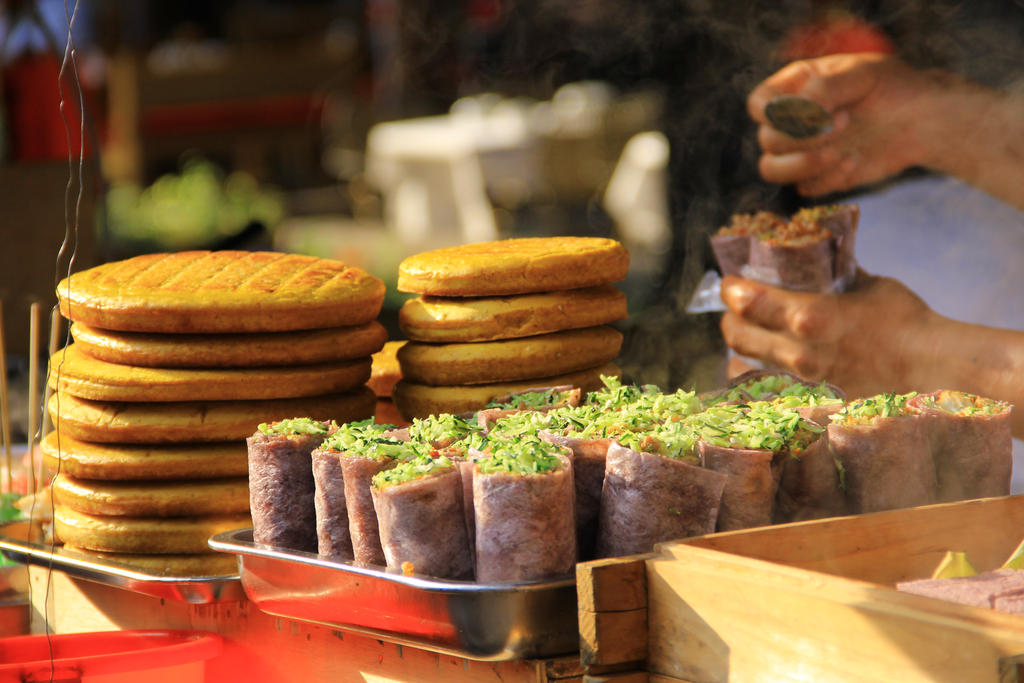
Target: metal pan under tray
464	618
15	544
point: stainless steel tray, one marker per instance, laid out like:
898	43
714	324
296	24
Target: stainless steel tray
15	545
463	618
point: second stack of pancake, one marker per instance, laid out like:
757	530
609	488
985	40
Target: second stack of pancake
176	360
498	317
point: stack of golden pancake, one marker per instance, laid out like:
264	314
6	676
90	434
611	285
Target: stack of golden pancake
498	317
176	359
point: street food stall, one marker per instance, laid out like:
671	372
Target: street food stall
498	421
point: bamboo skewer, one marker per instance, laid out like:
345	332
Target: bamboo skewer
5	406
33	393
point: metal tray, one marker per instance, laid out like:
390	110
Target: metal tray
464	618
15	545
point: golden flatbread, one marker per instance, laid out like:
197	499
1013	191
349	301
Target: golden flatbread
420	400
457	319
181	498
150	535
221	291
81	375
210	563
515	266
85	460
196	421
303	347
385	370
509	360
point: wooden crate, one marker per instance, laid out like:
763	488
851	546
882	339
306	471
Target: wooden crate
810	601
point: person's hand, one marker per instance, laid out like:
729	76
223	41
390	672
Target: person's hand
879	104
866	341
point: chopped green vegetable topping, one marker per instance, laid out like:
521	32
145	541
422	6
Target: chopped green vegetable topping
444	427
533	400
368	439
867	410
962	404
410	470
297	426
524	456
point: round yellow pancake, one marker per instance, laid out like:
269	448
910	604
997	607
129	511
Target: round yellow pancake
303	347
142	535
151	535
180	498
221	291
515	266
196	421
85	460
77	373
196	565
421	400
452	319
510	359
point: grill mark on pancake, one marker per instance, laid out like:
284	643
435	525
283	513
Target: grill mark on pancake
119	282
273	266
212	276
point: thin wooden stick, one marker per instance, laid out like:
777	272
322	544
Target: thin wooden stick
55	321
33	391
5	406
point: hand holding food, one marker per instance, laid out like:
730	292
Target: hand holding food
888	117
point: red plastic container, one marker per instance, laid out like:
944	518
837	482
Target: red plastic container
154	656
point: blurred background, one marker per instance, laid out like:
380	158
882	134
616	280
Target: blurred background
367	130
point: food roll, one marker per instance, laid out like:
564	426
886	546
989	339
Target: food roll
419	506
650	497
770	385
363	451
588	468
884	454
731	243
810	485
523	500
748	443
803	263
332	535
441	430
281	486
841	221
539	399
971	443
